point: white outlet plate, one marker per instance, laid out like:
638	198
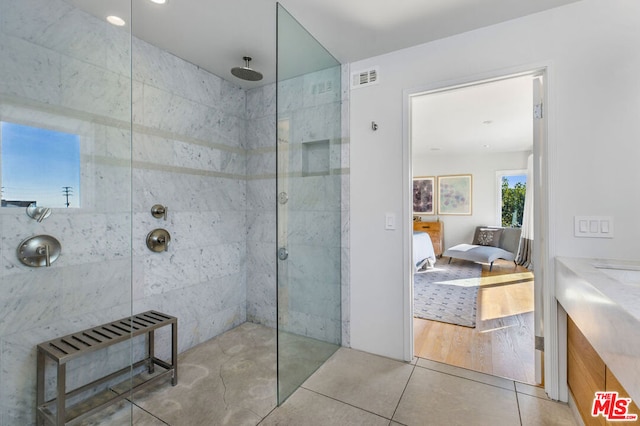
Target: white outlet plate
593	226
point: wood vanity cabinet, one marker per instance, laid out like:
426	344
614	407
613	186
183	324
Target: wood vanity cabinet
587	374
435	231
612	384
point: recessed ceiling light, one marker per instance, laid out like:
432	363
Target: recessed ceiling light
487	122
486	146
158	1
116	20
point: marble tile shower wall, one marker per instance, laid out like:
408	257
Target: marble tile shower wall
261	206
311	143
62	70
66	70
312	116
197	144
189	155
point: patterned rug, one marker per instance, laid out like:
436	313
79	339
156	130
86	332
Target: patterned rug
447	293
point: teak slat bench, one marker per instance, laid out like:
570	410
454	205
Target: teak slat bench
64	349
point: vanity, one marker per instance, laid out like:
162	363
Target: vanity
602	301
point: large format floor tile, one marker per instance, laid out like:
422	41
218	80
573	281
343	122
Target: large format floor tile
308	408
467	374
122	413
536	411
230	380
434	398
365	381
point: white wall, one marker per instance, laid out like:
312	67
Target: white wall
485	194
591	50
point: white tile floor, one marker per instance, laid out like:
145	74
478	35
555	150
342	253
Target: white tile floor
354	388
351	388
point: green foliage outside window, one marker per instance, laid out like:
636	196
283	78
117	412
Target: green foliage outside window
512	203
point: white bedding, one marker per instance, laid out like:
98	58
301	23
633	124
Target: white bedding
423	254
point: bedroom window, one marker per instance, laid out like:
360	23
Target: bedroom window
512	189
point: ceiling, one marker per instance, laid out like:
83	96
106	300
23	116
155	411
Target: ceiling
490	117
216	34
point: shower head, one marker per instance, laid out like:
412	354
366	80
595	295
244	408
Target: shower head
246	73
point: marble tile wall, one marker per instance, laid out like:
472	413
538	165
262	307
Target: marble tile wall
197	144
310	147
261	207
317	204
61	71
189	155
185	150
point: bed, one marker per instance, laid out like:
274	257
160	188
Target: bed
424	256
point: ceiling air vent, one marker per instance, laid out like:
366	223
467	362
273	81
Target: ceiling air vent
364	78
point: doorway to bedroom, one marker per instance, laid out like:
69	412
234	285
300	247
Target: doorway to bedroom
473	305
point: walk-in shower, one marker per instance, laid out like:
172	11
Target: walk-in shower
155	130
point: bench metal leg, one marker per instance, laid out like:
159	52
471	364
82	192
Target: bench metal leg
491	267
174	352
449	260
151	342
40	388
61	396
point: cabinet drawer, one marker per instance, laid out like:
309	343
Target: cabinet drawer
427	226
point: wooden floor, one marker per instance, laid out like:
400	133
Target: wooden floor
502	344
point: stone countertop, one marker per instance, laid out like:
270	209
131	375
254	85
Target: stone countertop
606	310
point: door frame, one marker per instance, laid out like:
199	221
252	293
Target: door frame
544	249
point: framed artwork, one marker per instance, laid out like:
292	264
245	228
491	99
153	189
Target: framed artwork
424	196
454	194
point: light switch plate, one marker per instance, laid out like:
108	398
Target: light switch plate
593	226
390	221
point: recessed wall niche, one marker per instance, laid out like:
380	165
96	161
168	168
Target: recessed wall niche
315	158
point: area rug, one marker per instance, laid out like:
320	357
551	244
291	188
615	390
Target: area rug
447	292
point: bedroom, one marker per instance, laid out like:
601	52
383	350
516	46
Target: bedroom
479	133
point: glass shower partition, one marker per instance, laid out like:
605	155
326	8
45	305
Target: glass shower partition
65	163
308	97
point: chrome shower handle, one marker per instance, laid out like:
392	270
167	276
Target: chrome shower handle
38	213
40	250
159	211
163	242
158	240
43	214
44	251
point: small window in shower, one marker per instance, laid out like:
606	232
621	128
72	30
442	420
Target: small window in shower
39	166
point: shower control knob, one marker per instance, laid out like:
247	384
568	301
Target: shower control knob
283	197
159	211
158	240
283	253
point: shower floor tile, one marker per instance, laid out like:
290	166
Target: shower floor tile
227	380
231	380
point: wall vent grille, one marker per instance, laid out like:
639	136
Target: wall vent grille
365	78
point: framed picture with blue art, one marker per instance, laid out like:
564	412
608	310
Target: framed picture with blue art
424	195
454	194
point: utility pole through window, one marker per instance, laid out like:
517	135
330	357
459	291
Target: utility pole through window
67	191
